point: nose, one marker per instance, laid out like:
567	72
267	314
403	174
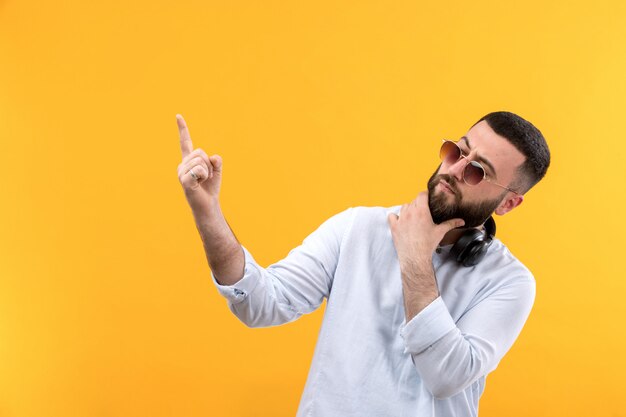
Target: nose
456	169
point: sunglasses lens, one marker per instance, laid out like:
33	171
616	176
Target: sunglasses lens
449	152
474	173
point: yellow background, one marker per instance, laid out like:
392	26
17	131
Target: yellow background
106	304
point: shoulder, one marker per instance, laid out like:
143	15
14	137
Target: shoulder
509	269
362	221
374	213
372	217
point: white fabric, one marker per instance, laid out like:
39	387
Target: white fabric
368	361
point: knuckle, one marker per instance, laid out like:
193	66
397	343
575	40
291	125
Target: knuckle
200	152
201	155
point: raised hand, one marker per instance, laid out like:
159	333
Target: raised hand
414	233
199	174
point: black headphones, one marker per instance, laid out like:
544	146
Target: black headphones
473	244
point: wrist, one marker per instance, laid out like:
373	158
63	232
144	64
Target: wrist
419	275
207	209
416	264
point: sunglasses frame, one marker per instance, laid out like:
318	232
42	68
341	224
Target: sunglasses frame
470	162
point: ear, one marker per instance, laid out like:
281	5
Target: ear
509	204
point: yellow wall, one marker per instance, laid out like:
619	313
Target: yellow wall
106	304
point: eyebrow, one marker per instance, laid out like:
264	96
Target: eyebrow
480	158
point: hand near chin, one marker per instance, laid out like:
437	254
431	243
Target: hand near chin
414	233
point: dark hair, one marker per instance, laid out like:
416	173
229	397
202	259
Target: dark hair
528	140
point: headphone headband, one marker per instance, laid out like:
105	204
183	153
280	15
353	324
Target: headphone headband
490	228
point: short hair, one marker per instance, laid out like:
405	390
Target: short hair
528	140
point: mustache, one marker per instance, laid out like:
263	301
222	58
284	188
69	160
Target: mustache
450	180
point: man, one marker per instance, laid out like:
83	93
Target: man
422	300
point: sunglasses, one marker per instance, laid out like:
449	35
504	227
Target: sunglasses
473	173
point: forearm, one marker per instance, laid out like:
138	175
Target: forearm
222	249
415	237
419	286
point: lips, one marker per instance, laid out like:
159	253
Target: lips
446	187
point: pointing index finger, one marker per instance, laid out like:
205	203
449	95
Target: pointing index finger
185	139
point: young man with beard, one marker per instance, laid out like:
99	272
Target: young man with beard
422	301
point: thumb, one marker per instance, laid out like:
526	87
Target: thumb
393	219
216	164
452	224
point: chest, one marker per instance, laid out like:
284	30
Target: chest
368	282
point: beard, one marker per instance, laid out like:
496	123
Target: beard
474	214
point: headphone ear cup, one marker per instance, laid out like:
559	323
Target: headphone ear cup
472	246
465	248
474	253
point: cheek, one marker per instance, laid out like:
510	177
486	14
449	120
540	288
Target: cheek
476	193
